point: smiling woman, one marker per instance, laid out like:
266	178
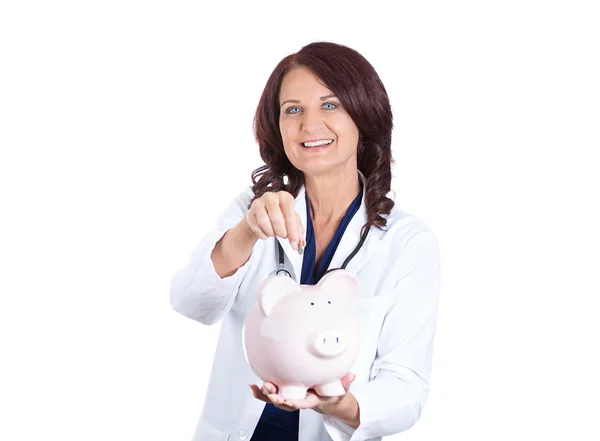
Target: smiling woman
323	126
325	91
331	132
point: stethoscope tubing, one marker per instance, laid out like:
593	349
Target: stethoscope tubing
281	271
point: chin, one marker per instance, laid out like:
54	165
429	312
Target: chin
318	169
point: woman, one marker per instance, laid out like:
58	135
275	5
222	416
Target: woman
324	127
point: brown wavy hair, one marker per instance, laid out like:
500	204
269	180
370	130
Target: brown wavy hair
356	84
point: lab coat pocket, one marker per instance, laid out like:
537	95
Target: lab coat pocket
206	432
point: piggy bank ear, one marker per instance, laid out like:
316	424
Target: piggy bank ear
272	290
342	282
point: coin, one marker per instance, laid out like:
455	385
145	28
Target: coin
300	249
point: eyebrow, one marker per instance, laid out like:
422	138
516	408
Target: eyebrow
331	95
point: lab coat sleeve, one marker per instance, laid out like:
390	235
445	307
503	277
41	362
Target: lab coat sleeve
392	401
197	291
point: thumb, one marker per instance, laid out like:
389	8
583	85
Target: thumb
347	380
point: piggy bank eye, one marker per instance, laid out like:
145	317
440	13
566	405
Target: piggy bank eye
312	303
328	302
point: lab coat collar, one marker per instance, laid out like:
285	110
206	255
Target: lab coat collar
348	242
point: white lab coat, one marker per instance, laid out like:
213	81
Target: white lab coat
398	270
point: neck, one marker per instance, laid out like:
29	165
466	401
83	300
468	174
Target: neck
330	196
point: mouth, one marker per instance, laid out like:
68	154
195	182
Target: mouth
317	145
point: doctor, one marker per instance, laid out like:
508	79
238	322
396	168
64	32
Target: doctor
323	125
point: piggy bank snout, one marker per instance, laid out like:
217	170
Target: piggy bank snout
329	343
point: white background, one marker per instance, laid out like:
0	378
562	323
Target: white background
126	127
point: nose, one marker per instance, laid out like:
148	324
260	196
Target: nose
329	343
312	121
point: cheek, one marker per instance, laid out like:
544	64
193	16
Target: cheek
344	127
288	131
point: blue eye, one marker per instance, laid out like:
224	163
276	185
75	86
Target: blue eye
330	104
295	107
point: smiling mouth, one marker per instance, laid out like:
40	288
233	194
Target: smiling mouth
321	143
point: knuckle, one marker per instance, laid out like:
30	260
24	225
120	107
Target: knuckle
256	203
285	196
268	196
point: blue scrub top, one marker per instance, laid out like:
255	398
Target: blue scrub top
276	424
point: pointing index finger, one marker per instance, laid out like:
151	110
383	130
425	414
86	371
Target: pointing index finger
291	220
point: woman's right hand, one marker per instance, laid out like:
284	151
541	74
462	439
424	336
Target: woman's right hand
273	214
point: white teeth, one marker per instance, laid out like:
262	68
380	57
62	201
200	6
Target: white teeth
318	143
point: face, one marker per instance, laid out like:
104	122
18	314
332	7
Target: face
310	112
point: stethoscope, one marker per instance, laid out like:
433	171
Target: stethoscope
281	271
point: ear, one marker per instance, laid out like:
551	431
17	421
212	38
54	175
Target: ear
272	290
343	282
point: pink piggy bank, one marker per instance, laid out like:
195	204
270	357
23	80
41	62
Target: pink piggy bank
304	336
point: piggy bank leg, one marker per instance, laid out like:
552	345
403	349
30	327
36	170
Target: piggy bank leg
290	392
332	389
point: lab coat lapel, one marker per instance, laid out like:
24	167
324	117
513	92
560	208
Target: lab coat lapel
348	242
292	256
351	237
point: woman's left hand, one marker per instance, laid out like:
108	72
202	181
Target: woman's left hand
268	394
